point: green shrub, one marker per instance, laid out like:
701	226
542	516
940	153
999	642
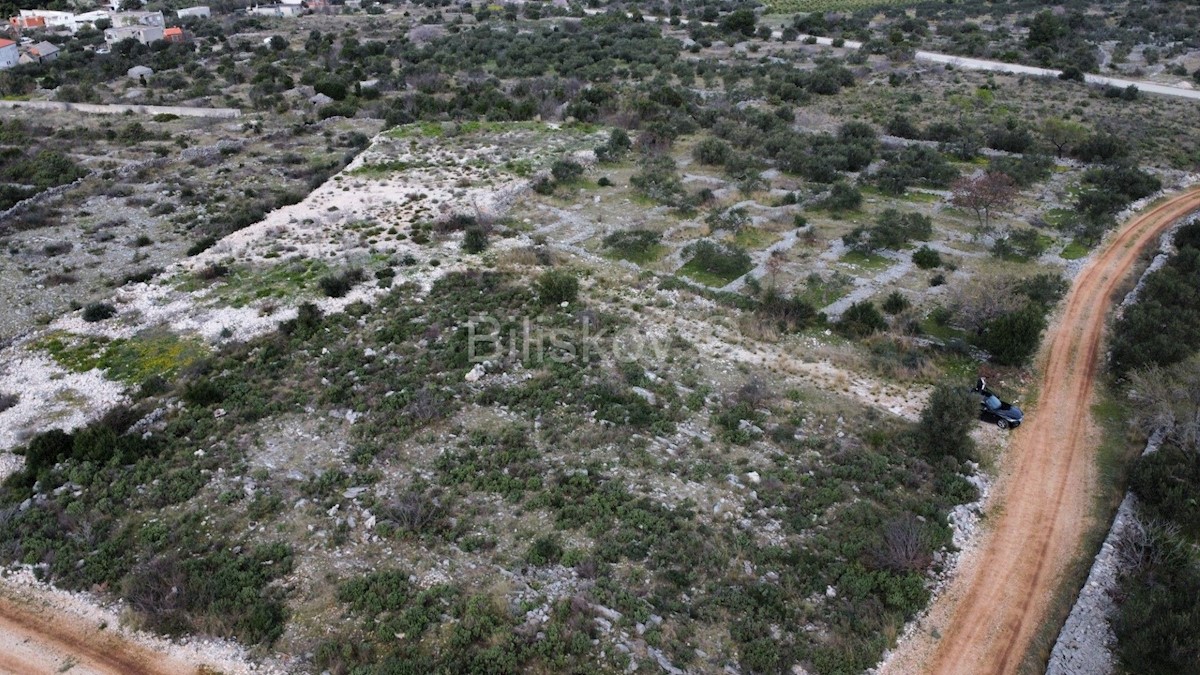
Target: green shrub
946	422
860	320
377	592
545	550
566	171
1157	615
723	261
1107	190
475	239
1024	170
201	246
555	287
842	197
203	393
635	245
914	165
789	314
1167	483
338	285
926	258
711	151
895	303
658	180
1013	338
892	230
1022	243
98	311
1043	289
615	148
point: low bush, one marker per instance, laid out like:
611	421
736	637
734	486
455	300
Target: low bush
1161	328
659	181
860	320
895	303
98	311
1157	615
892	230
723	261
544	550
946	422
926	258
788	314
566	171
475	239
842	197
338	285
635	245
1013	338
1166	483
555	287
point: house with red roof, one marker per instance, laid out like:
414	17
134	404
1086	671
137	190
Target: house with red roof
9	54
174	34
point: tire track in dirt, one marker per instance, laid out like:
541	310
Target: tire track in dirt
992	609
39	640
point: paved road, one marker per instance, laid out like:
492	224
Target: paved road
968	63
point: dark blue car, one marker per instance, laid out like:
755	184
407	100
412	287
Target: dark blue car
993	410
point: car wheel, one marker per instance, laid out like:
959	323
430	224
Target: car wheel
1002	423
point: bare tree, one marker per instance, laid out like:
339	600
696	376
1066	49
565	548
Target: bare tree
774	264
978	300
1168	401
905	546
984	194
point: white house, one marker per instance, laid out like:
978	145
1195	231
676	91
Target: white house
199	10
9	56
138	72
90	18
277	10
122	19
44	18
143	34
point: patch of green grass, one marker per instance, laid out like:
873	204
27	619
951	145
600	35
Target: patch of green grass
1058	217
128	360
696	273
283	281
1074	251
921	197
820	292
754	238
379	169
520	167
942	332
642	257
867	261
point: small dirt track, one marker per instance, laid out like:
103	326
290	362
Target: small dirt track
990	612
35	640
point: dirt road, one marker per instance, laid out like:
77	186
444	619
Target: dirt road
35	639
990	612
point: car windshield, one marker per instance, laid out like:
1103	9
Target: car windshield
992	402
